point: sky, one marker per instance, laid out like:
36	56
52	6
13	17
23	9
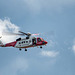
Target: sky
55	21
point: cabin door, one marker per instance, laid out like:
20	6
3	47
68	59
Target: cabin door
34	41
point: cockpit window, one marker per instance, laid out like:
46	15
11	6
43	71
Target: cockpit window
42	39
39	40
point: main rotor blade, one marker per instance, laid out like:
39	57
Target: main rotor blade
9	33
23	33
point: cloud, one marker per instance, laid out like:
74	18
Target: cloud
73	48
49	53
39	5
52	43
18	65
7	26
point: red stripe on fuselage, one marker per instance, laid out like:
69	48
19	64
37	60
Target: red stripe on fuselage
11	44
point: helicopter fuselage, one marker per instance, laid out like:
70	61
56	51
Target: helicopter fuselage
26	42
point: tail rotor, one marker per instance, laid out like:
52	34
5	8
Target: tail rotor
1	44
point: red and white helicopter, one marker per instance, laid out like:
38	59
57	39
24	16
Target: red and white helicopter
26	42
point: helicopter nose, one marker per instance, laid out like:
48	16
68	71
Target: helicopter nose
46	42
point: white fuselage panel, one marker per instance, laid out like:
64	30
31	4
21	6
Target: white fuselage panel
23	43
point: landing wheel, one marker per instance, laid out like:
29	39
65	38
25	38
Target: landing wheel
40	46
20	49
25	49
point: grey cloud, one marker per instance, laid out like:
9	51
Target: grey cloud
14	67
39	5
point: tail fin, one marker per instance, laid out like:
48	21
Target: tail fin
1	44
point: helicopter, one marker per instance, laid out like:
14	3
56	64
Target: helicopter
26	42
